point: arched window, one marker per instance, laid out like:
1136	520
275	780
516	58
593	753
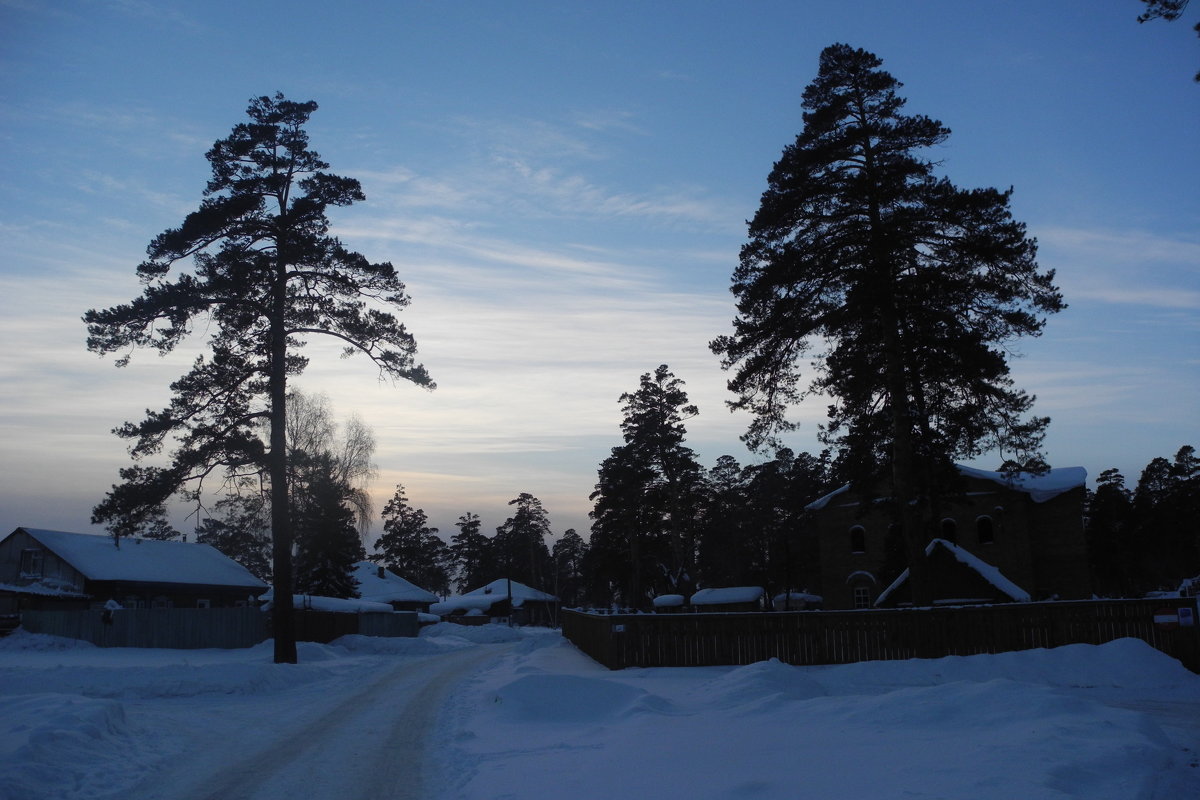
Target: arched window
950	530
985	529
858	539
862	588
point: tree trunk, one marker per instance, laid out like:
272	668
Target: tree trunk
282	615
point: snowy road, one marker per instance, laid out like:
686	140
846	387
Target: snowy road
367	744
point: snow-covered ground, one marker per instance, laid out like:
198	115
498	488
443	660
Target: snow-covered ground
492	713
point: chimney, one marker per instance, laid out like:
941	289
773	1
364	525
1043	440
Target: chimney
380	572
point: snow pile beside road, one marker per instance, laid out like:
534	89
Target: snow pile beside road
540	719
1037	724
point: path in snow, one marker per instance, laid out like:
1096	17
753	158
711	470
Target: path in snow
369	745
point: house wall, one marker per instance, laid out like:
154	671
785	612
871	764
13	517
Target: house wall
1038	546
168	595
54	572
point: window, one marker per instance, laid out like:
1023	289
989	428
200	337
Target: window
203	602
862	597
985	531
950	530
858	539
31	563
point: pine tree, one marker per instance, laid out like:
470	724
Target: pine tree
649	491
519	545
569	553
471	554
266	275
914	286
327	543
241	529
412	549
1110	535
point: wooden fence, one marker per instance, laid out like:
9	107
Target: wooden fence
194	628
840	637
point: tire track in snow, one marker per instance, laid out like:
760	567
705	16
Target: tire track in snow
370	746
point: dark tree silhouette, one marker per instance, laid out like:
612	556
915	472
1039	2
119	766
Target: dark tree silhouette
241	529
471	553
519	546
647	498
327	542
1170	10
915	287
569	553
411	548
266	274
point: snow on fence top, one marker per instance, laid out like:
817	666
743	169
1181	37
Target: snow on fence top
668	601
1040	488
98	558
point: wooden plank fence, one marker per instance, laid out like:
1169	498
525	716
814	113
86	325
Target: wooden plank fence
839	637
196	628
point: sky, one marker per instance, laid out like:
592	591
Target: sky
491	713
563	187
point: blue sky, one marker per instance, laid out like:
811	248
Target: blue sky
564	189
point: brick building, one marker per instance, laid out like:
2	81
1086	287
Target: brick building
1030	528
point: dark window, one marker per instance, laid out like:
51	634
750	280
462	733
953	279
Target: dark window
858	539
31	563
950	530
985	530
862	597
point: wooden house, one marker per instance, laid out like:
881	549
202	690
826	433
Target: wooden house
42	569
503	599
382	586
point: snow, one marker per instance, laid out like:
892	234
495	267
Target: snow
145	560
532	717
986	571
668	601
389	588
42	589
315	602
1040	488
481	599
728	594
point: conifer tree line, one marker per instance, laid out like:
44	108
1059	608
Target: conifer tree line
900	293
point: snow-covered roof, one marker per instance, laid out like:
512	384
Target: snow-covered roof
481	599
1040	488
145	560
388	588
668	600
986	571
728	594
